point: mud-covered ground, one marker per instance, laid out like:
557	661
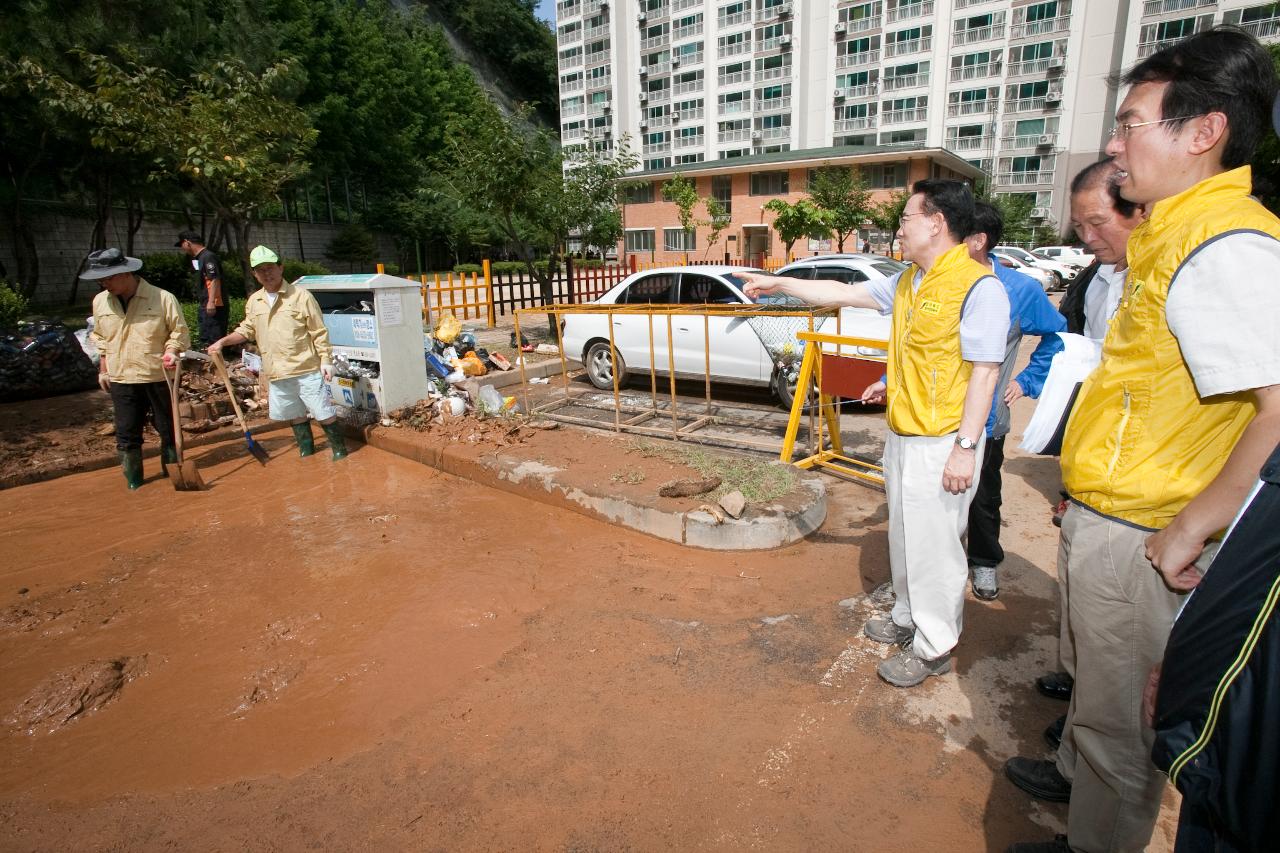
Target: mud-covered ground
374	655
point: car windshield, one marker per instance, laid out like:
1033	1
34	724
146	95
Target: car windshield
888	267
737	280
1020	254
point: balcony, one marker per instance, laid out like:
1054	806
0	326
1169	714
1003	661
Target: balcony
597	32
1164	7
849	125
598	58
1026	105
570	112
1060	24
1262	29
678	5
975	72
569	36
687	32
690	141
1029	140
906	81
913	10
572	134
735	49
599	108
904	116
866	90
570	61
774	73
969	143
775	11
733	20
995	31
903	48
855	60
658	122
660	148
574	85
1022	178
659	97
734	135
691	115
971	108
654	68
655	41
782	42
568	10
602	82
735	77
733	108
965	4
774	133
862	25
594	6
1038	67
685	59
686	88
1145	50
773	105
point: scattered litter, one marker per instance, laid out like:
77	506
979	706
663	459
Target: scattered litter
776	620
713	511
43	359
689	488
544	425
748	577
539	380
547	349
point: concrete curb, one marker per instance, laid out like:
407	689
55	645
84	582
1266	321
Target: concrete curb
760	528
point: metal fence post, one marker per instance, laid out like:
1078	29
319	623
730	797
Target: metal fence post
488	292
569	282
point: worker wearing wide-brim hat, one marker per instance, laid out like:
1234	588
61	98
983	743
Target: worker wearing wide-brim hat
139	331
297	360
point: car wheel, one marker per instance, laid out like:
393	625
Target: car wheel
783	383
600	366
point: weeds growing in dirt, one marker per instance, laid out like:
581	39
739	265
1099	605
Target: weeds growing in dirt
759	481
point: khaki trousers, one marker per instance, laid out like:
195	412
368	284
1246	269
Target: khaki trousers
1119	613
926	557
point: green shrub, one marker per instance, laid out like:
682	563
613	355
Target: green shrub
294	270
169	271
235	315
391	269
467	269
508	267
13	305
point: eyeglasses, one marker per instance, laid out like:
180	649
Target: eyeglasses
903	217
1121	130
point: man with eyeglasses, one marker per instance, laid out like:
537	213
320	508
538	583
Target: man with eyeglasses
1167	435
139	331
947	340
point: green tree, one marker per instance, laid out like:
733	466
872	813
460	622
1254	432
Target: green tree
801	219
887	214
682	192
352	245
842	192
1015	212
718	218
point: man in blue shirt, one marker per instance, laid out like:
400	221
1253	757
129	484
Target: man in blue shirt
1030	313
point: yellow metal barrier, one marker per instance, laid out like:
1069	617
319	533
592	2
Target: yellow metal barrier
469	298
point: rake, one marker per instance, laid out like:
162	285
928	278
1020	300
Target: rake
256	450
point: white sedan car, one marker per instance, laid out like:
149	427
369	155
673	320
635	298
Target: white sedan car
736	345
1064	272
1047	279
1071	255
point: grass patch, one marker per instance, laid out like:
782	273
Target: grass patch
630	476
758	481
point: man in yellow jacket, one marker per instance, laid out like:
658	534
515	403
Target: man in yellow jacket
286	324
1168	434
950	325
140	332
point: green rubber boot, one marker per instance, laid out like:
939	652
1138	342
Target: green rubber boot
302	435
131	461
337	441
168	456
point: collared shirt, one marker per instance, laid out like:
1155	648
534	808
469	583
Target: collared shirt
134	340
1101	299
208	269
290	333
984	320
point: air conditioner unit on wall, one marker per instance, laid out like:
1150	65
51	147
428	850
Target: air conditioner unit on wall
675	116
1045	140
640	16
1039	213
784	9
643	124
784	40
841	27
1057	63
643	97
756	136
1053	97
644	70
675	60
838	94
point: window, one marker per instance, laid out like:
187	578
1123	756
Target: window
1042	11
684	51
1036	89
639	241
639	193
1030	52
653	289
859	13
685	159
1030	127
857	78
697	289
844	274
678	240
770	183
965	131
735	152
722	191
1175	29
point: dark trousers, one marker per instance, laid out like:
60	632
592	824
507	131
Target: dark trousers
213	326
1200	831
984	512
132	404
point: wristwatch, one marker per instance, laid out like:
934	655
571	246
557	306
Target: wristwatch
965	443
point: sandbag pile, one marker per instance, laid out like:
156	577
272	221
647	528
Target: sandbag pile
43	359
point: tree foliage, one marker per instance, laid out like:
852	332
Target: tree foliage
718	218
801	219
887	214
843	193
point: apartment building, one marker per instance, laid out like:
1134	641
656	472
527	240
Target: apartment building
1018	88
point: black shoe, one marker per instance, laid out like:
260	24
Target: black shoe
1038	778
1053	734
1057	845
1056	685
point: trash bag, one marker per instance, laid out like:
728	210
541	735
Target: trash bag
448	329
470	365
43	359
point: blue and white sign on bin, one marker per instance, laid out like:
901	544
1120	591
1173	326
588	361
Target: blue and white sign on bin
377	319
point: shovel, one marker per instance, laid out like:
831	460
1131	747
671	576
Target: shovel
256	450
185	476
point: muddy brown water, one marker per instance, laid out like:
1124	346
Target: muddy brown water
374	655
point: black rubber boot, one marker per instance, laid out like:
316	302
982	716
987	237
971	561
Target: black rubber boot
302	435
168	456
131	461
337	441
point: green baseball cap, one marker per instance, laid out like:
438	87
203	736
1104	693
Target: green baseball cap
262	255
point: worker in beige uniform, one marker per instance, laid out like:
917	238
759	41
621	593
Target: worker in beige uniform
286	324
139	331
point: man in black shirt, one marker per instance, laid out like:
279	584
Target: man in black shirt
211	308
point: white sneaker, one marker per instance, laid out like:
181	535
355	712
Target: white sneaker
986	583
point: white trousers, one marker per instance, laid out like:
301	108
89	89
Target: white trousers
926	524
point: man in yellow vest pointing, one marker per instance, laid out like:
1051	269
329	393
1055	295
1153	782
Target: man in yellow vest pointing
1168	433
950	324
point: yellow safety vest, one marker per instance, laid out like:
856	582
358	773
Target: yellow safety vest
1141	443
927	378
